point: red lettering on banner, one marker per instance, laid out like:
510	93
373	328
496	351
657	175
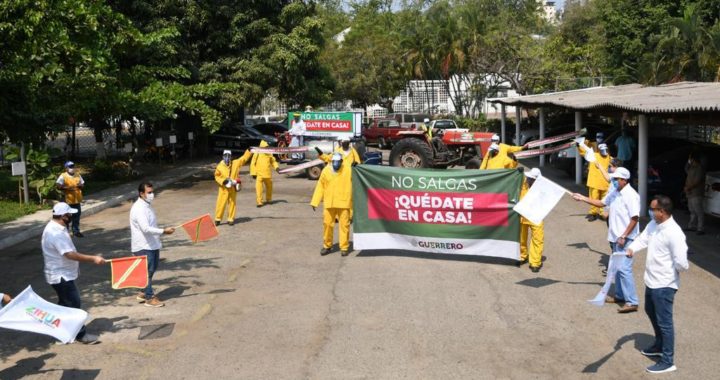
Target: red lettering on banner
328	125
480	209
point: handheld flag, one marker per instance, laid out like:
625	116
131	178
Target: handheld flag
540	200
29	312
200	229
129	272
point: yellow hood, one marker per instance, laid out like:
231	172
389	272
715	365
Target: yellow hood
263	144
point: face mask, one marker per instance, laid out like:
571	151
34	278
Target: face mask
651	214
615	182
66	219
599	140
603	153
226	159
149	197
71	170
336	165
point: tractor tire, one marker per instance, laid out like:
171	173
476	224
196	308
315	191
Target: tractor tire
473	164
314	172
411	153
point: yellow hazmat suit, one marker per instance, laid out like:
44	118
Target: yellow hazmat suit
596	182
537	242
261	167
500	161
226	196
334	189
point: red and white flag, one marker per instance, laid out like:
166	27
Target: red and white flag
200	229
129	272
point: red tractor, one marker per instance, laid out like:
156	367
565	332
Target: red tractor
448	148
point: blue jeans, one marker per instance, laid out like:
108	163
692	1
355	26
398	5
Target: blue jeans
153	257
658	306
624	281
75	219
69	296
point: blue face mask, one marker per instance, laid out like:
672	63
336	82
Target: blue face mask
336	165
226	159
614	182
651	214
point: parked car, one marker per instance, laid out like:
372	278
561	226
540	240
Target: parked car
238	137
383	132
271	129
443	124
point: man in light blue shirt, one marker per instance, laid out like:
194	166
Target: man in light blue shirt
625	145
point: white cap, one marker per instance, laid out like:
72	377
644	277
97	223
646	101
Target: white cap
62	208
227	152
533	173
494	146
426	120
620	173
602	146
495	138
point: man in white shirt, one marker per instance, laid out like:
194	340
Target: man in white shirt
61	263
666	257
297	131
145	238
624	212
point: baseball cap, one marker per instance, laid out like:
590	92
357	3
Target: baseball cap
620	173
296	113
69	164
533	173
227	152
494	146
426	120
495	138
599	134
62	208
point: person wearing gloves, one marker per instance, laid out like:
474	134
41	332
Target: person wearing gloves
497	155
596	182
227	176
145	238
666	257
62	263
261	167
537	242
334	189
623	216
70	182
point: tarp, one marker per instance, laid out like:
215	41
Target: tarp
29	312
466	212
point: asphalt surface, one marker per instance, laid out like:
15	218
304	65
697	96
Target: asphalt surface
260	302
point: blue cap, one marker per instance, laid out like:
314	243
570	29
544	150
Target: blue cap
69	164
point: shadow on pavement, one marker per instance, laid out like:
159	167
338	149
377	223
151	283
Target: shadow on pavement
639	339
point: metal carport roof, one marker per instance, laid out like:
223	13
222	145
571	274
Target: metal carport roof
675	98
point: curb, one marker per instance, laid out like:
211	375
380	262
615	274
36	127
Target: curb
94	208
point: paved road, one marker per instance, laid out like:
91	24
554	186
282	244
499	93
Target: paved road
260	302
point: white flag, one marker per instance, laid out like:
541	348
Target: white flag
539	200
29	312
613	264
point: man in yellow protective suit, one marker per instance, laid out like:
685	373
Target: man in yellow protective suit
334	189
349	154
227	176
261	168
596	182
71	183
497	155
537	241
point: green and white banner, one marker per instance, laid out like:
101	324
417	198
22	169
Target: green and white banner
466	212
330	124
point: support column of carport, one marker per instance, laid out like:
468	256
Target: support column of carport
503	116
642	162
542	135
578	157
518	120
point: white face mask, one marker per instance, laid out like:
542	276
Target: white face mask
149	197
71	171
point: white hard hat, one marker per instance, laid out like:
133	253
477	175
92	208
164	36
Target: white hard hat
533	173
63	208
495	138
603	147
494	146
227	152
426	120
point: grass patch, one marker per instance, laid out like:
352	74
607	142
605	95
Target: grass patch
12	210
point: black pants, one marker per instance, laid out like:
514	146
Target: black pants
69	296
75	219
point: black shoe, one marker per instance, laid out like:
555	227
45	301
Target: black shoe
89	339
78	234
258	206
535	269
345	253
231	223
521	262
217	223
324	251
592	218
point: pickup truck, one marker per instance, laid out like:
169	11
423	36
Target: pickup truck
383	132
